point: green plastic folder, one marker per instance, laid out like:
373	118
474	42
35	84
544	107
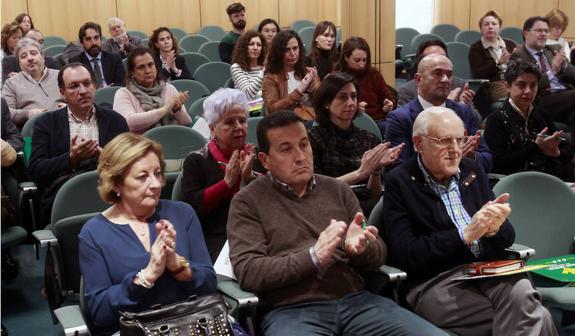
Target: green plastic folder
558	268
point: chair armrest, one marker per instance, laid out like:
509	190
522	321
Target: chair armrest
393	274
521	251
28	187
72	321
45	237
232	289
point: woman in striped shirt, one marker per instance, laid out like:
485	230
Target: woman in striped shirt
248	61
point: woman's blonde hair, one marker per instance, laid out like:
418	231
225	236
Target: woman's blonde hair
118	157
557	18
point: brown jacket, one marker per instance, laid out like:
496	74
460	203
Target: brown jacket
276	97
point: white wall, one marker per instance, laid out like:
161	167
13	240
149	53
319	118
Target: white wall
417	14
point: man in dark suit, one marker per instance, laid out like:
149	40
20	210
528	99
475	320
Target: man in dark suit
433	78
106	68
557	83
68	141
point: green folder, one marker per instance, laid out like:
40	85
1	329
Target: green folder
558	268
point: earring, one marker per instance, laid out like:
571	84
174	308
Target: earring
118	194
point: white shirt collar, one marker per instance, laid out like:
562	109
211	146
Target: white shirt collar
425	104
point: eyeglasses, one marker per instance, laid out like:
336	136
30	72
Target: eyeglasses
540	30
447	141
76	86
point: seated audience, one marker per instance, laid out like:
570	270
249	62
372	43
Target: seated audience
521	136
25	22
439	216
269	29
107	68
433	79
556	93
214	174
11	65
248	64
342	150
167	53
460	91
323	52
120	42
288	84
291	244
558	22
147	100
11	34
375	97
237	16
141	251
34	89
488	59
68	141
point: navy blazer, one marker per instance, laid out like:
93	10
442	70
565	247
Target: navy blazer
51	141
111	65
400	129
421	237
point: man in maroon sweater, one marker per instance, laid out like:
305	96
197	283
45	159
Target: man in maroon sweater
290	243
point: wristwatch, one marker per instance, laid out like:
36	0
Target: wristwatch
184	264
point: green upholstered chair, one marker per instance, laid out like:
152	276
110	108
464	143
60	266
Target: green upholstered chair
446	31
196	90
213	75
192	43
543	216
365	122
214	33
468	36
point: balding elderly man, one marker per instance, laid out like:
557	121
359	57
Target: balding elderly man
35	88
433	78
121	42
440	214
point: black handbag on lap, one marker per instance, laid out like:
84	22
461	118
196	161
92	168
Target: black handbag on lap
196	316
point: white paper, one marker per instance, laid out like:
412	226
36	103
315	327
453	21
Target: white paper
223	265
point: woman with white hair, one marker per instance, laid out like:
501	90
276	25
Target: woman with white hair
215	173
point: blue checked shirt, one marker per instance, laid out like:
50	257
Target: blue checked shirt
451	198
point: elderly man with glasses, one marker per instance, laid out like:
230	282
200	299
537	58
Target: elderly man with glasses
440	215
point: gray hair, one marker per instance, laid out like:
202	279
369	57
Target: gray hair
26	42
115	19
425	119
219	102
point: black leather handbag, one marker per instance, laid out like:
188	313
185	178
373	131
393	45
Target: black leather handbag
196	316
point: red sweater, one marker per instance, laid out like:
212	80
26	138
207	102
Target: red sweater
373	90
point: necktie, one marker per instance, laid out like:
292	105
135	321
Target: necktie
97	72
542	63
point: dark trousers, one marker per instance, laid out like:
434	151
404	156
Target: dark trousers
360	313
